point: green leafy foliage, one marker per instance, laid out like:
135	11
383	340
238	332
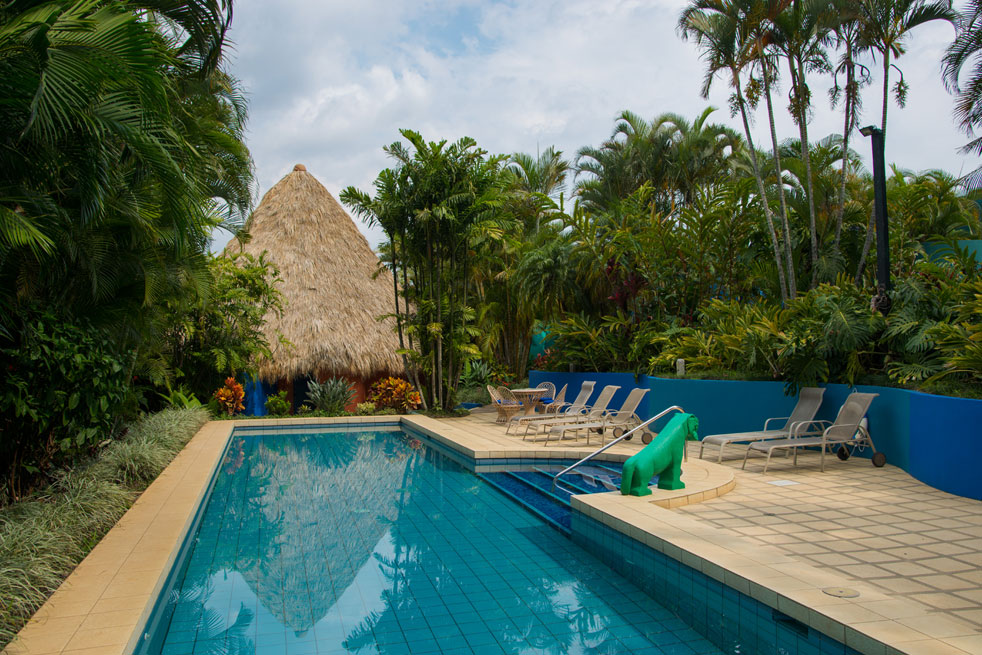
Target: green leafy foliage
330	396
476	373
278	405
219	332
960	341
121	149
64	386
181	399
439	201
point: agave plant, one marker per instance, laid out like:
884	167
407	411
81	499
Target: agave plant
330	396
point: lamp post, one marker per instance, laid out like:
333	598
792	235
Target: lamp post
880	301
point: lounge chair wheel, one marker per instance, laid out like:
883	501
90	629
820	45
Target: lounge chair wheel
879	459
618	432
646	437
842	453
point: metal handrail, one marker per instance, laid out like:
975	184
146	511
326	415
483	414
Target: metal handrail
673	408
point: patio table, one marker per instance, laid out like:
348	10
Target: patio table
529	398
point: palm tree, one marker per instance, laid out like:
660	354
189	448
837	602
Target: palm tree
758	17
538	181
886	25
846	28
696	152
718	33
965	48
120	150
800	33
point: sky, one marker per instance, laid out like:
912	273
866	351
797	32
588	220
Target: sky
330	82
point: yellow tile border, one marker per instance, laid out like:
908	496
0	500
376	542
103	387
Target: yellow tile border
110	594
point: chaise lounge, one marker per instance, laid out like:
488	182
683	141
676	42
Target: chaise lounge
848	431
809	400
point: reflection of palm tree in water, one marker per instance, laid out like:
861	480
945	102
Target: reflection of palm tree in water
212	630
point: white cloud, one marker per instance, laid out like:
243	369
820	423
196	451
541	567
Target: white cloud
330	83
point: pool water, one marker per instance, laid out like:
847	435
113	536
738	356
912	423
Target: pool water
371	542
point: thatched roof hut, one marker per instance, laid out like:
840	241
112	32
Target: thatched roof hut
332	299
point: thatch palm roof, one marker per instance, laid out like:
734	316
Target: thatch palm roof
327	269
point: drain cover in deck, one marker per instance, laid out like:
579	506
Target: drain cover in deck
841	592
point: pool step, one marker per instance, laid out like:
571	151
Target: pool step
533	488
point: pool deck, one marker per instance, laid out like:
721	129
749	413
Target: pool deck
912	552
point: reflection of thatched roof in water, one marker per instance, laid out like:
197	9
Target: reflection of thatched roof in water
327	268
351	505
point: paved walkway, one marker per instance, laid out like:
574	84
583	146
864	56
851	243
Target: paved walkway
880	526
877	525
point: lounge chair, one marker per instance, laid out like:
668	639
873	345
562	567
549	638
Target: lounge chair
578	405
507	405
848	431
809	400
621	420
593	414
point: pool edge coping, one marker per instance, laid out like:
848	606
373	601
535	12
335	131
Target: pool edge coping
790	589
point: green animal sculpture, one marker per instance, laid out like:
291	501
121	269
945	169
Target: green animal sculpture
662	457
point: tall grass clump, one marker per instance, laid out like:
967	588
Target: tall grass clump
46	535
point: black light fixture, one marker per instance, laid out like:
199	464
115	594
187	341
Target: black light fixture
880	301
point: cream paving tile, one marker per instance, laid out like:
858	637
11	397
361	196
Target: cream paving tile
939	627
944	601
971	644
95	637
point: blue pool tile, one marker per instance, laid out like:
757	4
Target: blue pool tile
295	553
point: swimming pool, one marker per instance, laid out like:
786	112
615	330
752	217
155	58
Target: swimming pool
370	541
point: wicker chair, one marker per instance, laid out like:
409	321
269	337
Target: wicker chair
548	397
505	402
558	401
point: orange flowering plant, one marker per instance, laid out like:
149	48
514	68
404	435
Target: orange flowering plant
230	396
394	392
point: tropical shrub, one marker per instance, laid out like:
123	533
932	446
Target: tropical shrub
278	405
608	343
181	398
960	341
541	361
476	373
64	389
394	393
230	397
330	396
365	409
220	331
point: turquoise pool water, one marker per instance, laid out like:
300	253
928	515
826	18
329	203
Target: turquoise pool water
371	542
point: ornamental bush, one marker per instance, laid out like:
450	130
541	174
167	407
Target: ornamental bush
394	393
230	397
330	396
278	405
64	391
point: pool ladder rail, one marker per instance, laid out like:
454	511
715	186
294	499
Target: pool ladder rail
626	435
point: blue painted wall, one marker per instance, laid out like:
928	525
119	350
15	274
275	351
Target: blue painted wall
946	443
722	405
625	381
256	393
937	439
